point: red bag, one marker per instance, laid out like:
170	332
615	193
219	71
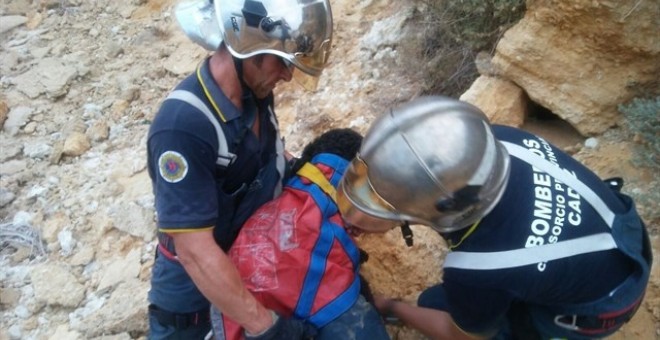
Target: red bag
294	254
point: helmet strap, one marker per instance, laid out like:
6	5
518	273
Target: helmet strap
238	66
247	95
407	233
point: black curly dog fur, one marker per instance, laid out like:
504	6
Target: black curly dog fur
344	143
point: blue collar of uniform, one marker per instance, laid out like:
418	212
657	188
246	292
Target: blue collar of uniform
222	106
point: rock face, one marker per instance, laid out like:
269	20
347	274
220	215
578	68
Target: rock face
582	58
501	100
55	285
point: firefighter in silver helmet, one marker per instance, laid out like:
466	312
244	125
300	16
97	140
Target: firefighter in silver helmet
299	32
215	155
541	247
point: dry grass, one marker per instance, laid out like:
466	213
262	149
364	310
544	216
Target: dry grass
643	121
16	235
453	33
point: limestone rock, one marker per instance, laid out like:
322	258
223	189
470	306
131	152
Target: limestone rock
6	197
121	270
76	144
131	218
10	150
124	311
37	150
580	58
99	131
50	76
82	256
12	167
56	285
63	332
16	118
9	62
53	225
4	110
18	7
121	336
501	100
9	296
8	22
184	59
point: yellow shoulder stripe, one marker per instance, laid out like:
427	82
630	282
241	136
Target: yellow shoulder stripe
208	94
468	233
184	230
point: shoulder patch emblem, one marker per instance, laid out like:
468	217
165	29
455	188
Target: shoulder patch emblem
172	166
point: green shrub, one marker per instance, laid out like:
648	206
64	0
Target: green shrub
454	32
643	119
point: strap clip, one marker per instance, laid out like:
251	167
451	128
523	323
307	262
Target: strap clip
407	234
567	322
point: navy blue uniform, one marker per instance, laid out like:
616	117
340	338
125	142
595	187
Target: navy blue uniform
193	192
535	209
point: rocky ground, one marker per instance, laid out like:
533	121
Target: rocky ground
81	81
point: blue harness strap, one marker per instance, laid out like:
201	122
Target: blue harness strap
344	301
328	233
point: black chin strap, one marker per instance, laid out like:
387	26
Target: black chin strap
238	66
247	96
407	234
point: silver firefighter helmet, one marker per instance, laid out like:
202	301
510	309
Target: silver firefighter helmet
432	161
199	22
299	31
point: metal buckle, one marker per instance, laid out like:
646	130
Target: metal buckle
570	326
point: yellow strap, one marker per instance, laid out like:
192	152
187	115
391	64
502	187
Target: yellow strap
208	94
312	173
468	233
172	231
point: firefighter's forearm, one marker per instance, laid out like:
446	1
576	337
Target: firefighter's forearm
433	323
217	278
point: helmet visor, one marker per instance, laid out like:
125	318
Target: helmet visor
357	197
307	81
299	31
312	62
308	66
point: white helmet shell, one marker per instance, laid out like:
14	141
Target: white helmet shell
199	22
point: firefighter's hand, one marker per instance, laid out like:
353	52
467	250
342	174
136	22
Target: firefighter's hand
285	328
384	305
